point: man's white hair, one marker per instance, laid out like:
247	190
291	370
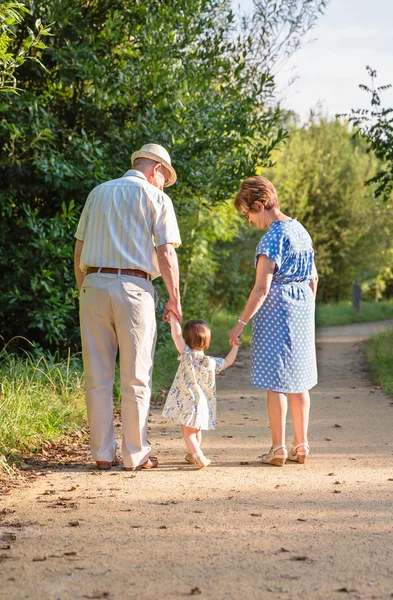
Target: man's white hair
144	162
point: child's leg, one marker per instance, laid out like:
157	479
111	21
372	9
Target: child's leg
199	437
190	436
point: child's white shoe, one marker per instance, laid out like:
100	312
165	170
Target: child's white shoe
200	460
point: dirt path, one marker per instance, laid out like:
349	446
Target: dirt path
238	530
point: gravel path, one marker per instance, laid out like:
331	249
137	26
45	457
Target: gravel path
237	530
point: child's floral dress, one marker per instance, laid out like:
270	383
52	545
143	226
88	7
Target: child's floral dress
192	398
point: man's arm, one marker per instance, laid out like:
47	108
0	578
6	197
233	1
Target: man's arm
169	268
79	275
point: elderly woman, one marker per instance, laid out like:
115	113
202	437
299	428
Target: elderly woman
282	306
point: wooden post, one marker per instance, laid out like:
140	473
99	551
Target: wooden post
356	296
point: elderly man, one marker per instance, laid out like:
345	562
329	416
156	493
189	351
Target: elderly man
126	237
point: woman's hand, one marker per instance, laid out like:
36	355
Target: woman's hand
235	334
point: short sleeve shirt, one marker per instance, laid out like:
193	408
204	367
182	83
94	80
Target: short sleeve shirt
123	222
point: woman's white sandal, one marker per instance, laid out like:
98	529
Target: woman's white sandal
277	460
299	457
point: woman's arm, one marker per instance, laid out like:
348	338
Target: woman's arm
263	281
314	280
176	332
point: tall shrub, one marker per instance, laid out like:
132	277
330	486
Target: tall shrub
120	74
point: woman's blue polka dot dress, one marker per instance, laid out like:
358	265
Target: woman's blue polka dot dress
283	329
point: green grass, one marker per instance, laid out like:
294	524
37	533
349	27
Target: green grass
221	323
40	400
343	313
379	352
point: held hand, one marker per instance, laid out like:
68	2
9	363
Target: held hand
175	307
235	334
171	317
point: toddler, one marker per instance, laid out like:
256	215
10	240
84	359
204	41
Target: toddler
191	401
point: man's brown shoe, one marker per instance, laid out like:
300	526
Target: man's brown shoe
150	463
104	465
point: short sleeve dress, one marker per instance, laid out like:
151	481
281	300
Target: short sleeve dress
192	399
283	329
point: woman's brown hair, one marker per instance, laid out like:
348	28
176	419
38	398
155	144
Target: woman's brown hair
255	189
197	334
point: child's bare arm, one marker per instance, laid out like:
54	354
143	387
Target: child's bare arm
176	332
231	357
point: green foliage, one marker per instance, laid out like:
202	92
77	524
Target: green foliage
120	74
376	125
319	177
14	51
379	352
39	298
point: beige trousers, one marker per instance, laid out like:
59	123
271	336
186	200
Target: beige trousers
117	312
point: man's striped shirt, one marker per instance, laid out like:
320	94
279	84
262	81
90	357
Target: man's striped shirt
123	222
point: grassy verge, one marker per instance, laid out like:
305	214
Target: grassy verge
343	313
39	401
379	352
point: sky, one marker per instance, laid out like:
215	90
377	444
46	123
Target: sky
349	36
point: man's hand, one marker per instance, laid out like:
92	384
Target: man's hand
175	307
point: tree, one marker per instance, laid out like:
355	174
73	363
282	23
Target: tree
12	15
376	126
119	74
319	177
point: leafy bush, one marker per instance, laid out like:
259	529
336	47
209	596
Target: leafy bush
120	74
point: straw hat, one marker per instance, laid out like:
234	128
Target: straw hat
159	154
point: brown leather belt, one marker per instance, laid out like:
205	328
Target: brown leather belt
132	272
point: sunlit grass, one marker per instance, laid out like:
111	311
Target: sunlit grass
40	400
343	313
221	323
379	352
